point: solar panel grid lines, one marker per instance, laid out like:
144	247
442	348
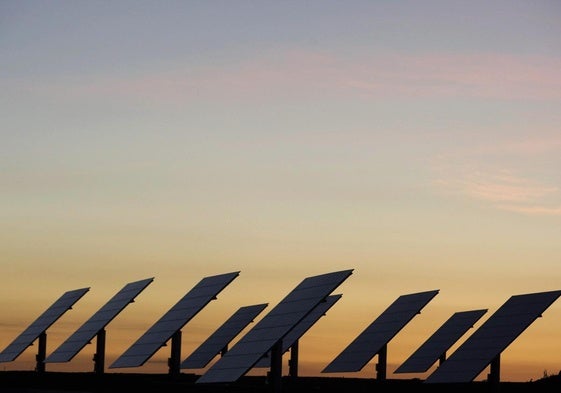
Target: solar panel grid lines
173	320
273	327
301	328
216	342
440	341
87	331
376	335
492	337
41	324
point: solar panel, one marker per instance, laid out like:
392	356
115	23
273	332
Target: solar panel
97	322
487	342
374	338
41	324
440	341
220	339
301	328
172	321
273	327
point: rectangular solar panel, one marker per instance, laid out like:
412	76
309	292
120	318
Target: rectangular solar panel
172	321
367	344
440	341
217	341
301	328
85	333
487	342
41	324
273	327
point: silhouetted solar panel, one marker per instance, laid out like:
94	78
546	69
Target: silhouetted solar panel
273	327
491	338
301	328
374	338
85	333
440	341
219	340
41	324
172	321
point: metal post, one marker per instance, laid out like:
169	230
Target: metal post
494	376
41	353
382	363
276	367
99	356
293	361
442	359
224	350
174	362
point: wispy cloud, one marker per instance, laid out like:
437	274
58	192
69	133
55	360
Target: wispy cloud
533	210
492	177
504	186
461	75
505	191
533	145
301	74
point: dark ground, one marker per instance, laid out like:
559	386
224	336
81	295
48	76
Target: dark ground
59	382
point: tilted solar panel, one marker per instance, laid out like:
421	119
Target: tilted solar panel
41	324
440	341
273	327
220	339
491	338
301	328
85	333
368	343
172	321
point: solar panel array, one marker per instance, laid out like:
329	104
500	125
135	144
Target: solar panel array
301	328
85	333
220	339
172	321
368	343
487	342
41	324
440	341
273	327
284	325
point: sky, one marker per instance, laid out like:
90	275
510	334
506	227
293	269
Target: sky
417	143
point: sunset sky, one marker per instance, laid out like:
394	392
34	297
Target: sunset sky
416	142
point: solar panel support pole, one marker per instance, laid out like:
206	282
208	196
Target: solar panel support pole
494	376
293	361
224	350
174	362
41	353
442	358
381	366
99	356
275	375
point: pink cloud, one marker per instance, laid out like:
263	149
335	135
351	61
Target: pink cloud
504	187
533	210
534	144
476	177
479	76
299	74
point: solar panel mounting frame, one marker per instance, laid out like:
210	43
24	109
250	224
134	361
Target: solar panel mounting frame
38	329
435	347
168	327
267	334
95	327
365	345
218	341
290	342
486	344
